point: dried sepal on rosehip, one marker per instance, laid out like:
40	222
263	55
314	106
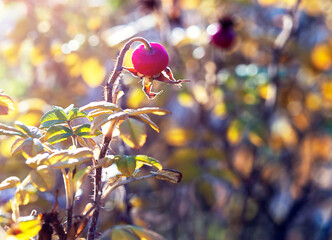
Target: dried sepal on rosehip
151	64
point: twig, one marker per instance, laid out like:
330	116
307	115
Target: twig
117	184
69	199
288	28
108	94
73	137
118	67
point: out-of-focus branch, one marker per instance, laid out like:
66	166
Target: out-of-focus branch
289	26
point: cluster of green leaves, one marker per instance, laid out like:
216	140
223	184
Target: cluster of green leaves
46	150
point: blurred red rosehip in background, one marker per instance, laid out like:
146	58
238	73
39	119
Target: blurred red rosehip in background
225	35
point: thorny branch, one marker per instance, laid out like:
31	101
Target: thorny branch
110	96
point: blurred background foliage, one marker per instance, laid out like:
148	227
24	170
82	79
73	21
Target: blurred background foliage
246	174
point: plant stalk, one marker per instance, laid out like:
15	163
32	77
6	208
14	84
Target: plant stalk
69	200
108	95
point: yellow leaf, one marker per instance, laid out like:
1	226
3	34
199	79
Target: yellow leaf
255	139
267	2
243	160
249	98
37	56
24	230
122	234
74	64
190	4
326	89
56	51
43	178
9	183
281	128
127	59
200	93
5	146
11	53
145	234
321	57
186	100
30	119
135	98
93	73
94	23
6	105
313	101
185	161
133	133
220	109
312	7
179	136
234	132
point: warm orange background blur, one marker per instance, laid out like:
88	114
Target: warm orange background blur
244	176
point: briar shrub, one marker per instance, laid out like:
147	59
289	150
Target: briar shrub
85	157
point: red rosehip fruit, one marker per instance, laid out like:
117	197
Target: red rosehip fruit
150	62
225	35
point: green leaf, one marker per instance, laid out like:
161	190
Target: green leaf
84	131
52	117
133	133
101	105
43	178
119	233
172	176
33	132
10	131
131	232
146	234
76	113
57	134
6	105
31	147
146	119
126	165
68	109
9	183
145	110
102	119
143	159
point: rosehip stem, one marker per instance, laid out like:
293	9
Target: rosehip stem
108	95
118	67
